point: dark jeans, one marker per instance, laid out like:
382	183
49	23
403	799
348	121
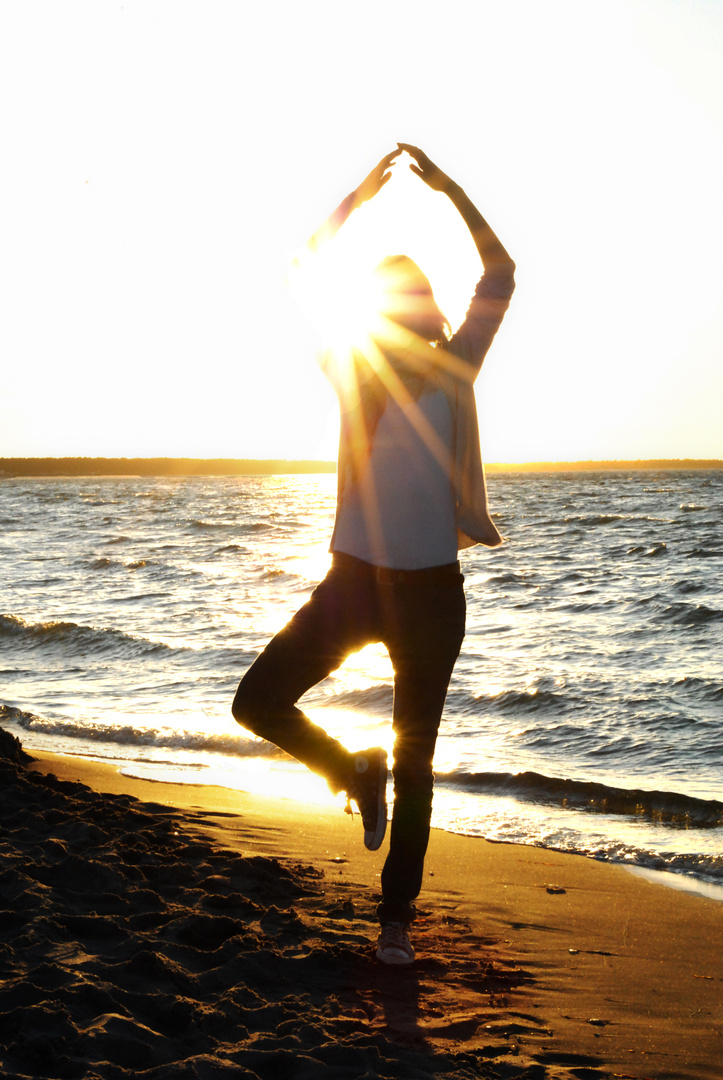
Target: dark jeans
420	617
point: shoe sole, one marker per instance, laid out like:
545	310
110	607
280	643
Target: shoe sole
373	840
386	959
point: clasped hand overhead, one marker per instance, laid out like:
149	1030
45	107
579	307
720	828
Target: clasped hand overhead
422	166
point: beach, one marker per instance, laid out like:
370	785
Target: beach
168	930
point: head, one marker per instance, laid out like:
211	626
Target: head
409	300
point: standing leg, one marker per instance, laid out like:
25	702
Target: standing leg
424	626
340	618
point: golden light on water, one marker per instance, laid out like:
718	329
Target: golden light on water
262	776
372	661
314	563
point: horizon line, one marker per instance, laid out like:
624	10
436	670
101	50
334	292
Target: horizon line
176	466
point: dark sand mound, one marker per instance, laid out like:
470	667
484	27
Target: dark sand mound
130	945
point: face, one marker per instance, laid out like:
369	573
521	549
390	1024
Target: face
408	299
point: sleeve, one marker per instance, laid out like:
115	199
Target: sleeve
491	299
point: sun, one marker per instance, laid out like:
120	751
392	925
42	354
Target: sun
380	328
344	298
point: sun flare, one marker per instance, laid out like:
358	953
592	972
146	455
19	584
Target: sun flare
380	328
342	298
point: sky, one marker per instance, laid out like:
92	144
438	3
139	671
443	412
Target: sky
164	160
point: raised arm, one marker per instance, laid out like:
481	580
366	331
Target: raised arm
491	252
491	299
369	187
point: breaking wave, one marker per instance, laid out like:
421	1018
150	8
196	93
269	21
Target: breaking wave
76	638
127	735
672	808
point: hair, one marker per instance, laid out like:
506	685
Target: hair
407	275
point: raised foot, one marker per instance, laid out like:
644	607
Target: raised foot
368	789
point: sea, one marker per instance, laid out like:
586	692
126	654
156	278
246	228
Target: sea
585	713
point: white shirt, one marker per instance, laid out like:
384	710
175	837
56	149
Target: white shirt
400	510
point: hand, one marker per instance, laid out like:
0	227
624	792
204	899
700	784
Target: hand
377	178
426	169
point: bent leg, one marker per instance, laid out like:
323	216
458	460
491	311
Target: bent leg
337	620
427	629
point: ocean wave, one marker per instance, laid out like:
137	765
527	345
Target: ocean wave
86	644
518	701
669	807
701	867
508	578
238	527
128	735
705	867
371	699
703	688
21	717
595	519
653	552
691	586
104	563
214	526
687	615
581	606
73	638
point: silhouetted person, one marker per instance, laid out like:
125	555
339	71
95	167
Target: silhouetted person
411	491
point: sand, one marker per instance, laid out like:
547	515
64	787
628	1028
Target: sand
161	931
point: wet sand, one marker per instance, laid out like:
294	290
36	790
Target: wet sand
164	931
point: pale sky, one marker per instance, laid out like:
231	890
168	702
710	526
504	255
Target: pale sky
164	159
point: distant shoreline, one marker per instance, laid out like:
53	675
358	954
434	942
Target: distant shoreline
101	466
120	467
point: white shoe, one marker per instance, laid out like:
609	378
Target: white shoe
394	946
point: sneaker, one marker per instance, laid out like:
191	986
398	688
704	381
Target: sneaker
368	789
394	946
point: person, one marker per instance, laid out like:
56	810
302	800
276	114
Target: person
411	491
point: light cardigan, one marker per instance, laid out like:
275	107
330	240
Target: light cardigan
463	357
474	524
